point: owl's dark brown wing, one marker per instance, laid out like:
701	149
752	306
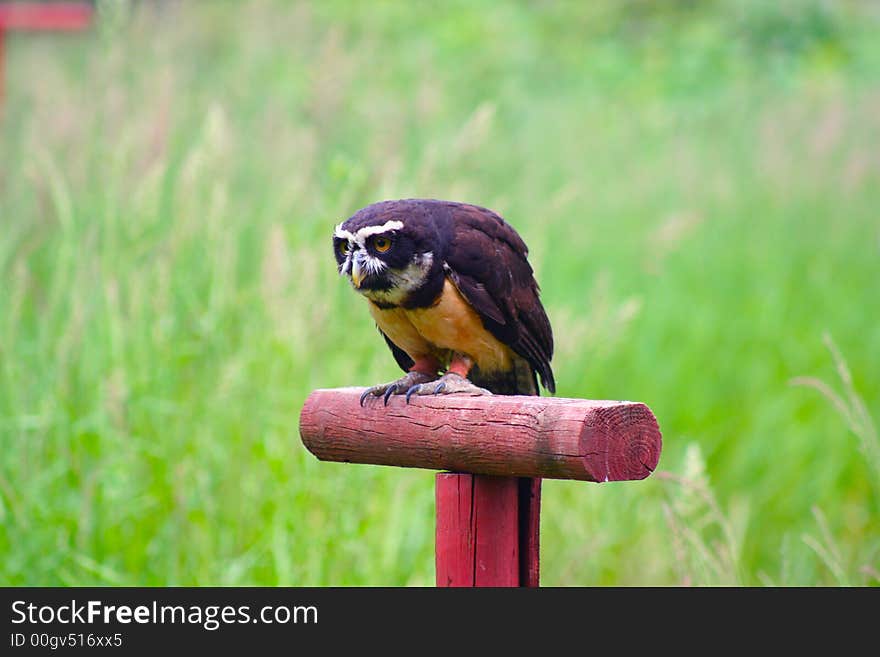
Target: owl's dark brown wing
402	358
487	262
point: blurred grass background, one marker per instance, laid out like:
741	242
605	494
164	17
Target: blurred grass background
699	185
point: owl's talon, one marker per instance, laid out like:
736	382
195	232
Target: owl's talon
391	390
412	391
366	393
402	385
415	383
449	383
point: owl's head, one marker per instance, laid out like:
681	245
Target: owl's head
389	250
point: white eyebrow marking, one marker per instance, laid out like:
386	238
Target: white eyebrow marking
360	237
344	234
387	227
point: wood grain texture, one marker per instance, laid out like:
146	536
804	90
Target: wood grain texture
477	540
514	436
529	509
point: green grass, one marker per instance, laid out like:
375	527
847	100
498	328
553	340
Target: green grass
699	190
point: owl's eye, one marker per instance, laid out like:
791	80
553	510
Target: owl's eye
382	244
343	248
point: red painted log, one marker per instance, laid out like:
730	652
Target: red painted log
539	437
487	530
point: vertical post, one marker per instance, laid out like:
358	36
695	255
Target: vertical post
529	501
487	530
2	66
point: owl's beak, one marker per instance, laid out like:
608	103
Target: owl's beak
357	274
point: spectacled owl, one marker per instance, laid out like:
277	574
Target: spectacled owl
451	290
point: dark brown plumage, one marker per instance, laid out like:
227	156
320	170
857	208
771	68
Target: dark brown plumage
487	262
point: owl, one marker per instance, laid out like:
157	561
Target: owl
452	292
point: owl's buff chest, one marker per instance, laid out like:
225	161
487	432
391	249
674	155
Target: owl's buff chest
450	324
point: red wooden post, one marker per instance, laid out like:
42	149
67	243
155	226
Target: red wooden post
477	530
38	17
529	502
497	449
487	530
2	62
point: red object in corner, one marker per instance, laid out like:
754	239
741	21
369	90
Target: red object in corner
41	17
45	16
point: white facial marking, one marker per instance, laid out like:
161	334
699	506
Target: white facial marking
370	264
344	234
367	231
403	281
360	236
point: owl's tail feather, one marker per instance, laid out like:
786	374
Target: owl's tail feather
520	380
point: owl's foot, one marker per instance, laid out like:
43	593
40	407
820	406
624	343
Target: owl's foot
403	385
448	384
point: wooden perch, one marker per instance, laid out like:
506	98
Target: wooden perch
545	437
498	449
